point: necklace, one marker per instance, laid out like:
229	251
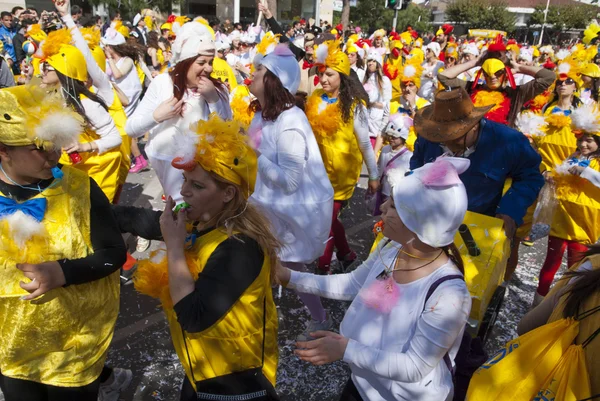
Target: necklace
414	256
420	267
37	188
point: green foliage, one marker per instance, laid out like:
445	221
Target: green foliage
372	14
481	14
564	17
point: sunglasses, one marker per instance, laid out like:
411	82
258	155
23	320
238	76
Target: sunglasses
568	81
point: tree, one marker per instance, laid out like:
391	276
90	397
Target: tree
481	14
562	18
345	14
372	14
415	16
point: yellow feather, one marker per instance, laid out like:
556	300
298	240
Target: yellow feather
325	123
55	40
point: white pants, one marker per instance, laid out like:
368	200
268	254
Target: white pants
171	179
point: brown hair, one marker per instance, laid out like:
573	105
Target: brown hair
130	50
351	94
454	255
179	77
586	285
277	98
378	75
241	217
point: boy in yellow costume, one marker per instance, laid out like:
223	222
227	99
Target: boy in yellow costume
59	257
214	278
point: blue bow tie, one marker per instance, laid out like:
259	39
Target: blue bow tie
326	98
35	208
558	110
576	162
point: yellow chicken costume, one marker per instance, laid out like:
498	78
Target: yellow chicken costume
68	60
235	342
61	339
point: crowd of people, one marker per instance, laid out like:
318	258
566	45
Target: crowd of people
258	136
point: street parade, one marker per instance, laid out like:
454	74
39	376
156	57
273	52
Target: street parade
236	202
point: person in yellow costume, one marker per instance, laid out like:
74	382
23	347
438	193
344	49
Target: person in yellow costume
60	254
87	41
408	101
590	78
97	151
214	278
577	179
38	35
339	120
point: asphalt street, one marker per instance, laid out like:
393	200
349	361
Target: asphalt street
142	340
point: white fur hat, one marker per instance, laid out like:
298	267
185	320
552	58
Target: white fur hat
112	37
373	54
432	200
434	47
284	65
399	126
235	35
193	40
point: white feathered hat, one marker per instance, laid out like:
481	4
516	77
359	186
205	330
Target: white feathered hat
193	40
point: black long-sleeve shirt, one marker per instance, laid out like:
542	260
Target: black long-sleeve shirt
278	30
109	249
229	271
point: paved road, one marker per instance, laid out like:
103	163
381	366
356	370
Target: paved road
142	339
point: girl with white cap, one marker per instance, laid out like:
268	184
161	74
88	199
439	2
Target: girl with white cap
410	303
292	186
431	68
379	89
176	99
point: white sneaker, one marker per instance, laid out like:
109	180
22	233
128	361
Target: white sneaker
313	326
111	389
142	244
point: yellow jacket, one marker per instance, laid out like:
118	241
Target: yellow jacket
62	340
338	145
234	343
577	216
557	145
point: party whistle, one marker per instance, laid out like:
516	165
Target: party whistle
183	205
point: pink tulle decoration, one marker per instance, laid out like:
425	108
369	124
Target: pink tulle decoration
381	295
441	173
255	135
283	49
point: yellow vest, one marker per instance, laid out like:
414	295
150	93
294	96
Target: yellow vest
117	112
339	149
556	146
223	72
103	168
234	343
577	216
62	339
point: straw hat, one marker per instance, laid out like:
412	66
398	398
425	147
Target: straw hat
451	116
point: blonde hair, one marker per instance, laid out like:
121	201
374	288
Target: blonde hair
240	217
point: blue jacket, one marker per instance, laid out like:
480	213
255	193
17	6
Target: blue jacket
6	35
501	152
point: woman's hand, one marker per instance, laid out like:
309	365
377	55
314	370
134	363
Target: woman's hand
207	89
576	170
173	226
328	347
373	186
168	109
80	147
265	10
283	275
44	277
63	7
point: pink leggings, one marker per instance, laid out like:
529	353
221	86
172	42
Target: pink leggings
556	250
337	239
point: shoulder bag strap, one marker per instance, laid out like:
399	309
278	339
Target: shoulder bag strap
388	164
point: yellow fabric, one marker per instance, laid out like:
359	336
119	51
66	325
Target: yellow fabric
141	73
417	55
557	145
234	343
570	380
240	106
103	168
70	62
223	72
35	63
336	59
518	371
63	339
590	70
339	149
412	135
586	326
36	33
99	56
492	66
577	215
117	112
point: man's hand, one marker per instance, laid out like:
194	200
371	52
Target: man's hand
510	227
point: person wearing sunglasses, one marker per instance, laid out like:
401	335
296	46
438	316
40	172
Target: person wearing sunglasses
494	84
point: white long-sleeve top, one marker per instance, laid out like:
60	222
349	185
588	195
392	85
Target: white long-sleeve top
100	80
592	176
361	132
401	163
429	85
103	125
129	83
161	134
377	95
397	356
292	186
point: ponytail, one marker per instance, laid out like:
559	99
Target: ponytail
454	255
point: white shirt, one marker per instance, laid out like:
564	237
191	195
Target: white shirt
130	83
292	186
103	125
401	163
195	108
360	72
378	118
429	85
397	356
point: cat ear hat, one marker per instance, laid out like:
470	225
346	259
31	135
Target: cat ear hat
432	200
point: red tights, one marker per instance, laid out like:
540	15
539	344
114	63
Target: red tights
337	239
556	250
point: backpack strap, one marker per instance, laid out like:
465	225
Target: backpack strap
430	292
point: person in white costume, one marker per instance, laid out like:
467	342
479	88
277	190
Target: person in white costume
178	98
292	187
399	343
379	89
431	68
